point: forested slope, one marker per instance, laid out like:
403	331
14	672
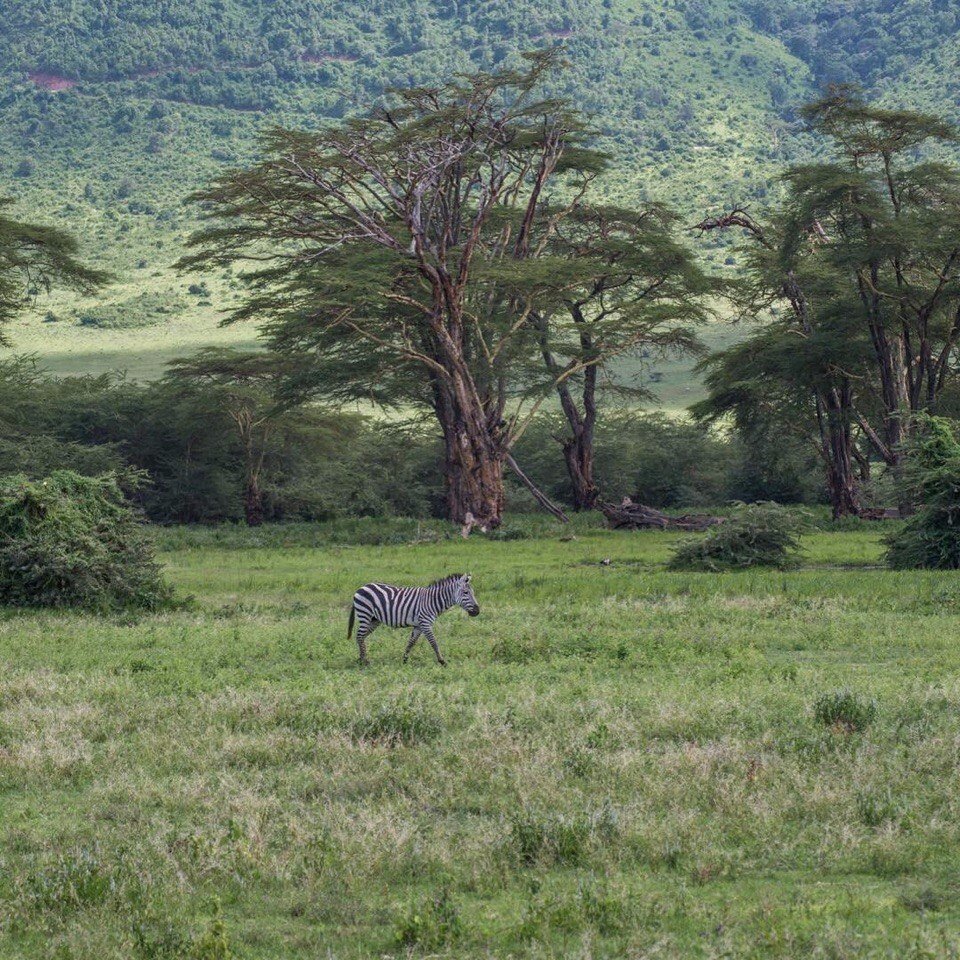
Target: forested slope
111	113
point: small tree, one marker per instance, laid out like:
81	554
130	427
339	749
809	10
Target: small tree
245	387
931	537
624	286
70	540
862	261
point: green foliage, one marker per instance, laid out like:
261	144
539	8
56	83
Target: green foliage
845	710
69	540
931	537
430	926
659	460
144	310
755	535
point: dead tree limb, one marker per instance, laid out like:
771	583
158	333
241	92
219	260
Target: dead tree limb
538	494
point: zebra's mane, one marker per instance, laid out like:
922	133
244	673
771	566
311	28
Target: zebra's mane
449	578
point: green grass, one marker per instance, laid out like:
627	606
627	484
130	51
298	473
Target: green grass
619	761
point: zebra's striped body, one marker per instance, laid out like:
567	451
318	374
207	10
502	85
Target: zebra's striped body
416	607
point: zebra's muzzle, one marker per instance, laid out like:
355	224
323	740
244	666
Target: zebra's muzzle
474	611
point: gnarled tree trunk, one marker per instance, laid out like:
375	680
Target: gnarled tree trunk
474	457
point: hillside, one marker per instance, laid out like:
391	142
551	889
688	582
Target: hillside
110	116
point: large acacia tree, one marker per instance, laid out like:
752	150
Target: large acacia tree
407	254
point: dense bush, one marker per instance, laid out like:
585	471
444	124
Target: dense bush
931	537
756	535
70	540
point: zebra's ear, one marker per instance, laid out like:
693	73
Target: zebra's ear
467	578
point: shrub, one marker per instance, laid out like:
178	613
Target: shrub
931	538
756	535
70	540
845	710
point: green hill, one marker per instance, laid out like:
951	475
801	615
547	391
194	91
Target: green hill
111	114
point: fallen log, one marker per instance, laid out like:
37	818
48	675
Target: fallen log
628	515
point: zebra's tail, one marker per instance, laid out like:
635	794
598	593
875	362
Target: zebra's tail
350	624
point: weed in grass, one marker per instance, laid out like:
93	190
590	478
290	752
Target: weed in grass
158	938
430	925
403	721
875	808
76	879
212	944
845	710
549	839
520	650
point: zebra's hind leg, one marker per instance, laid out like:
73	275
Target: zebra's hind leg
363	631
428	633
411	643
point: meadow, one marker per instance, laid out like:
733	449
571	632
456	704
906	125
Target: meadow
618	761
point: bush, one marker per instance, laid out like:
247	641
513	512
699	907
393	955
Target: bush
931	538
756	535
845	710
70	540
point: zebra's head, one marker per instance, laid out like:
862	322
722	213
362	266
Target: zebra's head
466	599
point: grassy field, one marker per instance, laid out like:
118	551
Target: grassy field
618	761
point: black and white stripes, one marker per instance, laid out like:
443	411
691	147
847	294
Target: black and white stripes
415	607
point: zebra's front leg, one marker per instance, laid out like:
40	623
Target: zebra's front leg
411	643
428	633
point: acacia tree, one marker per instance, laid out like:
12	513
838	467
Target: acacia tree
34	258
792	374
627	286
245	386
405	253
864	253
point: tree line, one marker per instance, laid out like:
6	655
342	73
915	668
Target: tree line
452	255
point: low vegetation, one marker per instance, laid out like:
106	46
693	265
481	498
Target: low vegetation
931	538
677	749
74	541
755	535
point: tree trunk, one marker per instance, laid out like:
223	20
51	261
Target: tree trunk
834	412
474	475
578	454
253	503
844	489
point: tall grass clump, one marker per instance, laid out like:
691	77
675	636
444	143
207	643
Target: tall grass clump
75	541
845	710
930	539
755	535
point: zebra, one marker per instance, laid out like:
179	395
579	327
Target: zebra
416	607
